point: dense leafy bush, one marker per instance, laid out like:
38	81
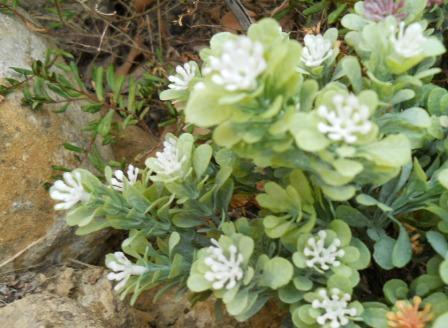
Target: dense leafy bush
319	179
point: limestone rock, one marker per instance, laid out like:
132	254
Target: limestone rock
174	311
47	310
133	145
31	142
90	297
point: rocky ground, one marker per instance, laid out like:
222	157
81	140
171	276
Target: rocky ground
80	296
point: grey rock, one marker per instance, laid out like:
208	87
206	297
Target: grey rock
30	143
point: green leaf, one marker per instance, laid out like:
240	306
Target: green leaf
105	124
353	22
203	110
311	140
438	242
442	177
197	283
340	282
302	283
277	272
238	303
402	95
93	226
441	322
368	200
425	284
339	193
392	151
80	216
352	69
186	220
342	231
308	92
402	251
73	148
132	95
98	78
364	255
443	270
289	295
375	317
173	241
201	159
395	289
352	216
417	117
347	167
276	198
382	252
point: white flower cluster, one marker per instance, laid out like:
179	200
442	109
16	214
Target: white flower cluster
318	254
239	65
223	271
408	41
169	160
335	306
348	119
69	191
123	270
119	177
317	49
181	81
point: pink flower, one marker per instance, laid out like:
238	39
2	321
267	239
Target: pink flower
377	10
434	3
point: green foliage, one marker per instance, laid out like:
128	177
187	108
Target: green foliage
321	172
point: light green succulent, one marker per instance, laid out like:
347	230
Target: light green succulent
343	143
333	253
389	48
288	211
247	90
174	161
181	83
330	307
319	53
224	267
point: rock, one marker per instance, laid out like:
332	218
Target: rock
174	311
89	295
31	142
133	145
86	294
47	310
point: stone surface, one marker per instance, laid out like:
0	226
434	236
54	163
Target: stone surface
67	297
19	46
31	142
133	145
87	293
47	310
174	311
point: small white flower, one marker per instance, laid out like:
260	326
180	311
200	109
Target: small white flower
223	270
336	308
169	160
409	41
349	119
320	255
181	81
69	191
123	269
317	49
119	177
239	65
